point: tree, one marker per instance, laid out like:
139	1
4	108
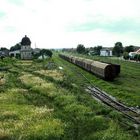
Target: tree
2	57
80	48
3	49
118	49
49	53
129	48
16	47
86	50
97	50
46	52
137	57
125	55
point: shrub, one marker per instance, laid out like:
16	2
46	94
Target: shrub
137	57
125	55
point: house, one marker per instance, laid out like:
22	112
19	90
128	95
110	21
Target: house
4	52
138	51
132	54
105	52
26	51
15	53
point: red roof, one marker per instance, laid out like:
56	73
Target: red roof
138	51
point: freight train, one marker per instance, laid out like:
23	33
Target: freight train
104	70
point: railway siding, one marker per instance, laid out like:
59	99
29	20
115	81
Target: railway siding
128	112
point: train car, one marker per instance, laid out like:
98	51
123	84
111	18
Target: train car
79	62
117	68
74	60
101	69
70	58
64	56
87	64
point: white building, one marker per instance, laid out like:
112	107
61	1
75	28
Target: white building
14	53
105	52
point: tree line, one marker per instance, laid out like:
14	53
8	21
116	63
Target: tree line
118	50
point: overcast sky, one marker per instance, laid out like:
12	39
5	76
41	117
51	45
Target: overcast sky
66	23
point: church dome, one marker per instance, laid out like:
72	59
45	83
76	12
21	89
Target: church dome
25	41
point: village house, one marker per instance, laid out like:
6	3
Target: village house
15	53
105	52
4	52
132	54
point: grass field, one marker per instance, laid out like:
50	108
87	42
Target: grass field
36	103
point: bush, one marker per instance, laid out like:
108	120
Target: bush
137	57
125	55
80	48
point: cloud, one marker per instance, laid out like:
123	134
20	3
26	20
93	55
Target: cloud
65	23
16	2
10	29
2	14
118	26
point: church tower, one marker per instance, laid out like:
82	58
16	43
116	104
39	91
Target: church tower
26	51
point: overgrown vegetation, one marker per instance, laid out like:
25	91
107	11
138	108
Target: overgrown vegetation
37	103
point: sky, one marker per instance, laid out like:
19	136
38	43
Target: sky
67	23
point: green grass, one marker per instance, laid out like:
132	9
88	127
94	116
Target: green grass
52	105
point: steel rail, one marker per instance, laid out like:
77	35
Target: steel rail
118	106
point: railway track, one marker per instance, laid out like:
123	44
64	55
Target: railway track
110	101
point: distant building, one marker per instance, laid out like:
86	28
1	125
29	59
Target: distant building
138	51
4	53
1	53
26	51
105	52
132	54
14	53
